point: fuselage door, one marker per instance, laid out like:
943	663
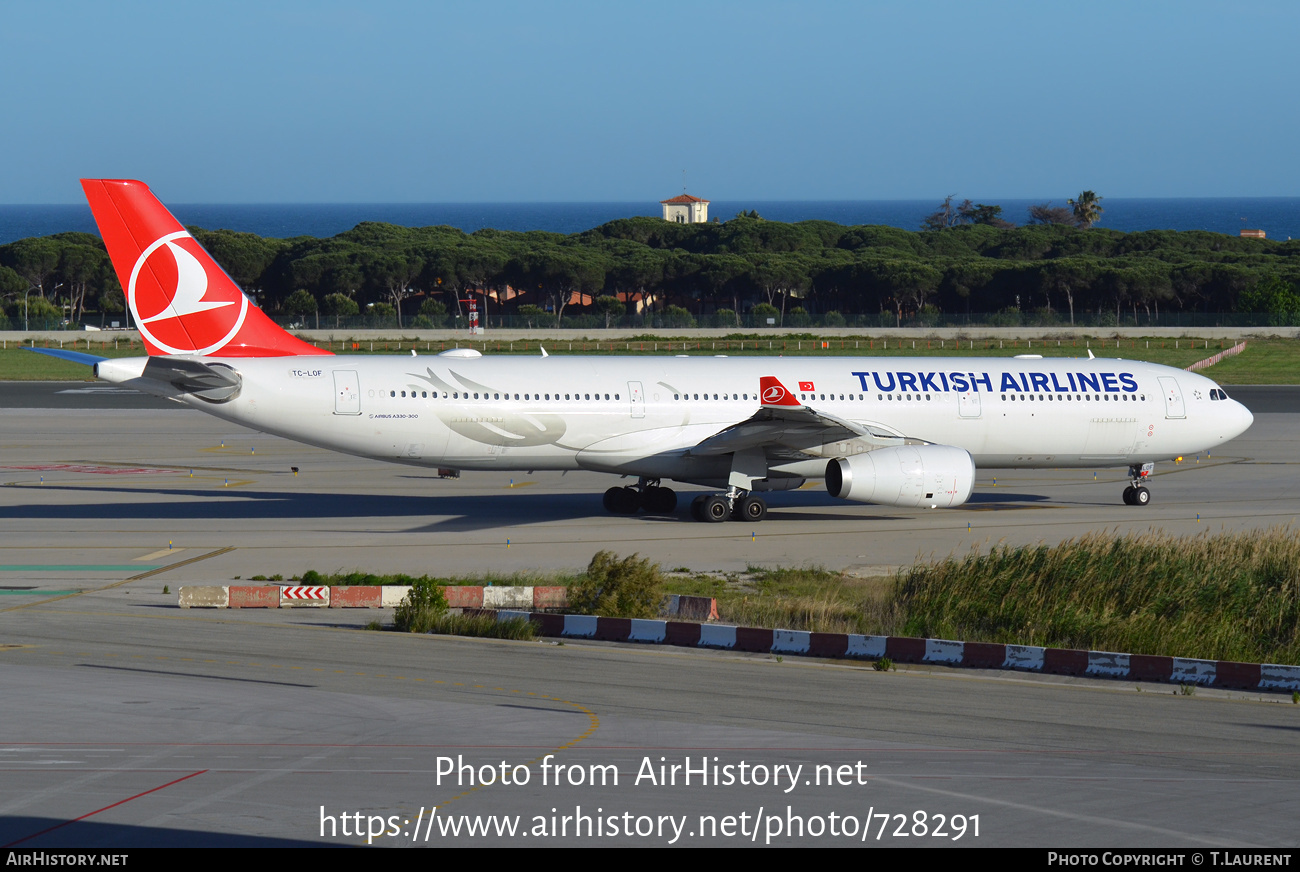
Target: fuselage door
1174	407
347	392
968	404
637	397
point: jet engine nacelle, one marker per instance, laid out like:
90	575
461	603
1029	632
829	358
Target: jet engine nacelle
911	476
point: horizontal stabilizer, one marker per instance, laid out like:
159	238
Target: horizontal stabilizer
74	356
214	382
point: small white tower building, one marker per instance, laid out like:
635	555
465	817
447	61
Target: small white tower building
685	209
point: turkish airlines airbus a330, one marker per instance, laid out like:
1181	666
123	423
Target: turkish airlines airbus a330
898	432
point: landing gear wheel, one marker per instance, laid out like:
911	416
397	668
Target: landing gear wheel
715	508
1135	494
622	500
659	500
751	509
696	503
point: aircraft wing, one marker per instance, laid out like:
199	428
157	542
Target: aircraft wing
785	427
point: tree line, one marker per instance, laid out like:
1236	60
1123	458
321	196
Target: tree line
746	270
1083	212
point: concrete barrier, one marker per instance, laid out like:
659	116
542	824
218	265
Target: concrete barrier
1147	667
714	636
581	626
1241	676
247	596
464	596
948	652
1108	664
1065	661
983	655
550	597
904	649
866	647
393	595
299	597
643	630
1188	671
507	597
356	597
1275	677
1027	657
944	651
206	597
828	644
791	641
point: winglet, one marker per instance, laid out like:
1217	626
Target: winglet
774	394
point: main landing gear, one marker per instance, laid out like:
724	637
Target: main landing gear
646	495
1136	494
649	497
735	503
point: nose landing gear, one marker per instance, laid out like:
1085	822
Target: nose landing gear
1136	494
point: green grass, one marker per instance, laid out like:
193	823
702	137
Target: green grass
1231	596
484	626
808	598
362	579
19	365
1265	361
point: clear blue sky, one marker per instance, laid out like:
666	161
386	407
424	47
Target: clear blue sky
561	101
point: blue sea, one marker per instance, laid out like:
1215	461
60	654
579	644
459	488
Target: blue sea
1279	217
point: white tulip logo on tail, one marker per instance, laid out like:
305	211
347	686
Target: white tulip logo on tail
774	393
174	303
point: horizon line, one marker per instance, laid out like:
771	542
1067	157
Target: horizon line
655	203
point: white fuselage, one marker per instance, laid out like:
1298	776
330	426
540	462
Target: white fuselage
643	415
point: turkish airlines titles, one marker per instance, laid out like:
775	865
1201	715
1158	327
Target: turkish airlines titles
1031	382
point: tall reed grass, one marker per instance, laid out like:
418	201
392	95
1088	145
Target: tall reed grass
1230	596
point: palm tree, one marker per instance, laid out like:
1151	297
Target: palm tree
1087	209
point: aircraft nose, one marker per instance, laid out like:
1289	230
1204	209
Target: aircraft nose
1244	419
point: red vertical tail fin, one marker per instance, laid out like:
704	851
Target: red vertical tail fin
181	300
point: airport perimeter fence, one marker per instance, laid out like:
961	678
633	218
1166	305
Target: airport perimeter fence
685	321
780	344
801	321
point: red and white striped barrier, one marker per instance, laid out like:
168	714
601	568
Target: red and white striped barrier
299	596
271	596
903	649
1211	361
